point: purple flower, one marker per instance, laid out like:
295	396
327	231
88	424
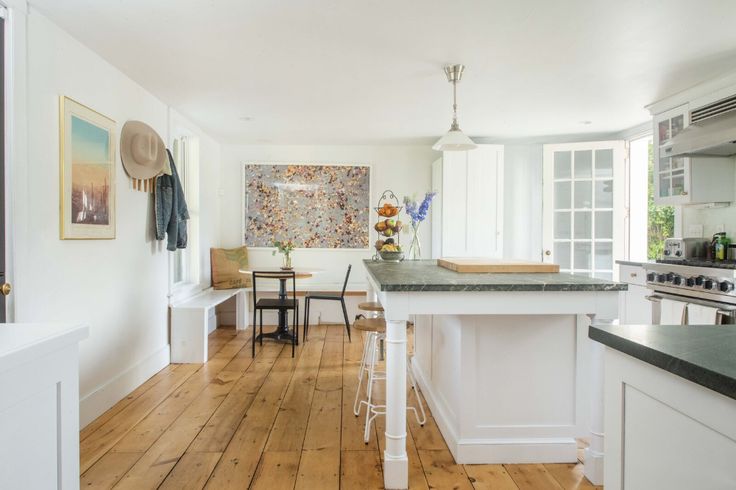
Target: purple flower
418	211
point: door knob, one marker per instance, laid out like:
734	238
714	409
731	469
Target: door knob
547	252
5	289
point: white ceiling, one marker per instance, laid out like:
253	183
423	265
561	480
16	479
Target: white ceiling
357	71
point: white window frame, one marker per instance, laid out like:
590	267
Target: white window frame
185	149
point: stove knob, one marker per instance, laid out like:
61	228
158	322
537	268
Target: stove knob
677	281
666	252
661	277
708	284
678	253
699	280
726	286
651	277
670	277
690	282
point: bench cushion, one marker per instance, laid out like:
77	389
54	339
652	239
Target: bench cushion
226	265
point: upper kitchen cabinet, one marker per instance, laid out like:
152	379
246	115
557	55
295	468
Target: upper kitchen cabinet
687	179
467	219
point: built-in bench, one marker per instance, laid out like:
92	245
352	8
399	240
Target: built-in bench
190	322
190	319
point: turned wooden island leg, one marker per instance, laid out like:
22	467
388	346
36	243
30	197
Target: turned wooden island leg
396	462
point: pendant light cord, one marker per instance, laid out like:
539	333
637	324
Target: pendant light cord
455	126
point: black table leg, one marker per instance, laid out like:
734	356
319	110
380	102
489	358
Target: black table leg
282	332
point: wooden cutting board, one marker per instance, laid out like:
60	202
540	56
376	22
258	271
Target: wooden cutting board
475	264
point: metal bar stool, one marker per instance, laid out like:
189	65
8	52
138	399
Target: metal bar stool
376	329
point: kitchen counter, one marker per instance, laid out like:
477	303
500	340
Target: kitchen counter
670	398
635	263
426	275
701	354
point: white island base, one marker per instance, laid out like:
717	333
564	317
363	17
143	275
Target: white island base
506	388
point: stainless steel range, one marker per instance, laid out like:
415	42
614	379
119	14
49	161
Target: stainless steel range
694	281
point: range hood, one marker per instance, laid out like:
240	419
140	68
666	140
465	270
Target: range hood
712	132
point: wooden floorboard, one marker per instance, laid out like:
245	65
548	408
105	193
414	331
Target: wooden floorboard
275	422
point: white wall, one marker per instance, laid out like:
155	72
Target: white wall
404	169
118	287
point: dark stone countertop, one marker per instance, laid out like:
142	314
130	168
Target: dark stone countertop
426	275
632	262
703	354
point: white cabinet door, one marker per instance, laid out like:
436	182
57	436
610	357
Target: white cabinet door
638	308
469	222
454	203
485	202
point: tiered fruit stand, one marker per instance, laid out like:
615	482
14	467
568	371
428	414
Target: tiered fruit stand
388	227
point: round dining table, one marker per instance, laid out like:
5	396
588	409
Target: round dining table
282	333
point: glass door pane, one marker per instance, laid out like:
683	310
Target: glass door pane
582	208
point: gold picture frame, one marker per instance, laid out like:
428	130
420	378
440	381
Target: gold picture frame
87	173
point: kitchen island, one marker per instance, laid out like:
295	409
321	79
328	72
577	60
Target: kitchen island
502	359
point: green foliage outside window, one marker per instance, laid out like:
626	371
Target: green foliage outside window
661	219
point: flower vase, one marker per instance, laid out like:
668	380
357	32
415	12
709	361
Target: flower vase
286	265
415	248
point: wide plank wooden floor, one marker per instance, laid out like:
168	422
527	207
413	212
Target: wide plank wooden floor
273	423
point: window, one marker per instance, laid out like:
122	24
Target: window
660	219
184	263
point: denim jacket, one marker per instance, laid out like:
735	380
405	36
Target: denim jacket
171	209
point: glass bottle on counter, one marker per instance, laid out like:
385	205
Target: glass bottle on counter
721	246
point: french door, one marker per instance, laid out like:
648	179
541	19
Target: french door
584	206
4	285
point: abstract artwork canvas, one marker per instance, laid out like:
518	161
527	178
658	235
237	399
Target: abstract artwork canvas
314	205
87	147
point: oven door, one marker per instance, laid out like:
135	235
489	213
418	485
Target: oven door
725	312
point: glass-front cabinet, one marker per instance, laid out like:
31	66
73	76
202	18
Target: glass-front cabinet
687	180
672	174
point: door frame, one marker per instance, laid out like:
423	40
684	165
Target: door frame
620	157
14	13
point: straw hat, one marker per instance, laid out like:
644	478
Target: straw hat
142	150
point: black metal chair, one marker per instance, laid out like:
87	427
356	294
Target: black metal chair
318	296
282	304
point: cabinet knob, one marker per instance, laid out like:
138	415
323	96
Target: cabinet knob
683	193
5	289
547	252
633	274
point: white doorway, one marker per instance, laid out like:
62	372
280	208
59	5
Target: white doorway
584	206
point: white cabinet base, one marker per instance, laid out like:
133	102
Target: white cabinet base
505	388
39	406
663	431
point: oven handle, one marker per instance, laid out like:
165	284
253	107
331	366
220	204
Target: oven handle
721	309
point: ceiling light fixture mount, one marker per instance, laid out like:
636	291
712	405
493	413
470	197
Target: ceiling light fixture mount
454	140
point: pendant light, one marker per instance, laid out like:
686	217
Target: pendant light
454	140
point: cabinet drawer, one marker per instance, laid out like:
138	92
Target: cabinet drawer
632	274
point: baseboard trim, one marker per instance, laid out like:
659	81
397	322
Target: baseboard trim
103	397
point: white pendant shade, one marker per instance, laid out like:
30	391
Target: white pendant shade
454	140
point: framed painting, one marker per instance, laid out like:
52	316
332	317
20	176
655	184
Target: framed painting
314	205
87	173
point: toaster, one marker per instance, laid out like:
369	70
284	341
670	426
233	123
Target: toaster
681	248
